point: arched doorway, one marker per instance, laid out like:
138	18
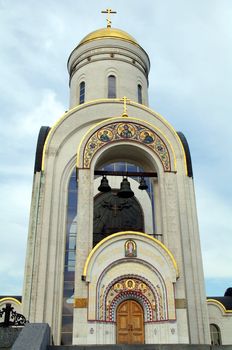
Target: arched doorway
130	323
215	334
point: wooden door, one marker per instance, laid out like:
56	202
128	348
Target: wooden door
130	324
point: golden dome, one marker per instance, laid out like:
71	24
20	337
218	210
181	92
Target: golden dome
108	33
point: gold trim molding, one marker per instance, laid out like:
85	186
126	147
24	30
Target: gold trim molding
5	299
107	100
128	130
214	301
130	233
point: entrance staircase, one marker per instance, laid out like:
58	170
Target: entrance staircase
36	336
141	347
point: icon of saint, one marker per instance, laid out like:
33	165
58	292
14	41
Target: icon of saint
147	138
104	136
130	284
126	132
130	249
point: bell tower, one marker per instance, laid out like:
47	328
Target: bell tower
113	247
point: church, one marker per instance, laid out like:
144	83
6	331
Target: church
113	253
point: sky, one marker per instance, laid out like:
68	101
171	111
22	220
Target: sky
189	43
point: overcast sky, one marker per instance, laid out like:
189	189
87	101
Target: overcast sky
190	47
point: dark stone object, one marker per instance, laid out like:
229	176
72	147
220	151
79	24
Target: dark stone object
228	292
187	153
34	336
43	133
8	336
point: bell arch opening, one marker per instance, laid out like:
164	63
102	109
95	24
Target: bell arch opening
124	200
114	214
125	152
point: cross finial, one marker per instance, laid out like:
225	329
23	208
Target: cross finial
109	12
125	100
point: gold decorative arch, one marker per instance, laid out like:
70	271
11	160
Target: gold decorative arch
219	304
152	298
10	299
130	234
126	131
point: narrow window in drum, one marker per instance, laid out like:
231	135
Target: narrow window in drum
111	86
82	92
140	97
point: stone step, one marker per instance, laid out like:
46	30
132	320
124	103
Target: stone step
141	347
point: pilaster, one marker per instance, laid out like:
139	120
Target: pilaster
83	248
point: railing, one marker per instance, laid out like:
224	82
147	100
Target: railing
11	317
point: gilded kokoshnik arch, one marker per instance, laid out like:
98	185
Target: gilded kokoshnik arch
131	129
150	238
133	287
116	101
113	278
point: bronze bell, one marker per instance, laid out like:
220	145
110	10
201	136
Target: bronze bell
104	186
125	190
143	184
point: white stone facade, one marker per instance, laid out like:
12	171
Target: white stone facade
105	272
168	260
222	319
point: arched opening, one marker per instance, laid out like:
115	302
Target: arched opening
130	323
115	214
140	96
82	92
111	86
215	334
69	265
127	152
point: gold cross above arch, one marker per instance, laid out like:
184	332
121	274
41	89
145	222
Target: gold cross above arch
125	100
108	12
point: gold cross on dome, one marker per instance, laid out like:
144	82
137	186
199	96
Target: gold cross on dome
109	12
125	100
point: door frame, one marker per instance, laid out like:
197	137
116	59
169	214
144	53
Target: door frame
143	318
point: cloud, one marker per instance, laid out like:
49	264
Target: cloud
14	213
214	212
46	113
21	129
16	185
